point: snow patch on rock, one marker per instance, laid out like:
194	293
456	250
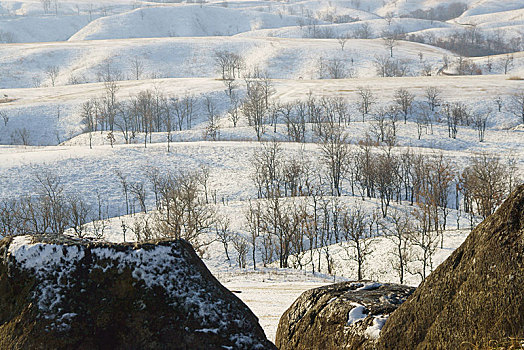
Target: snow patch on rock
358	313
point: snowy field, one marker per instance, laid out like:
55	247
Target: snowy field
56	55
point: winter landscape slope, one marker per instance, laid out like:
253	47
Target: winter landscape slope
53	60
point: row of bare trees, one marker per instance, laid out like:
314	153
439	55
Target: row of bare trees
50	210
369	171
152	111
147	112
298	217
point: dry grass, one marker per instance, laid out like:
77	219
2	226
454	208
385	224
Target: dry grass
508	344
515	77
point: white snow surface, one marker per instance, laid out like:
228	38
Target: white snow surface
373	331
357	313
176	43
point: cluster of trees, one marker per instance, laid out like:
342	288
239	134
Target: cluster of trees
299	212
443	12
50	210
471	42
147	112
152	111
300	208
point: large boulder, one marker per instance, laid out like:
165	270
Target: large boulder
346	315
476	296
60	293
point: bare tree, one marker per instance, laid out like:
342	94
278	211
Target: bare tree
255	108
5	117
484	182
212	126
46	4
506	63
357	237
137	67
432	95
426	240
342	40
366	101
184	212
390	42
234	110
125	187
79	213
52	73
363	31
139	191
225	236
229	64
334	145
499	102
399	229
404	100
480	121
516	104
21	136
241	245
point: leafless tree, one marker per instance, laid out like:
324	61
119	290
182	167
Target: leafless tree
229	64
225	236
21	136
499	102
480	120
399	229
404	101
342	40
432	95
255	108
46	4
253	217
137	67
363	31
357	237
125	187
79	213
389	67
241	246
212	126
484	182
506	63
184	212
390	42
386	179
5	117
234	110
516	104
139	191
426	240
52	73
366	101
334	145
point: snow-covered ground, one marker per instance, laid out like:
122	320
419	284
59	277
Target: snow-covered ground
52	59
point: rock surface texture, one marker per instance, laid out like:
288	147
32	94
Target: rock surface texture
346	315
476	296
60	293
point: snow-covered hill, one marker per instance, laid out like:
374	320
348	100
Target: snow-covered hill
56	55
181	21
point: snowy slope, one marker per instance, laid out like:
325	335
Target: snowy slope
181	21
41	28
25	65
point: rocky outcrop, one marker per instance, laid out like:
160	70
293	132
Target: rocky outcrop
475	297
346	315
60	293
